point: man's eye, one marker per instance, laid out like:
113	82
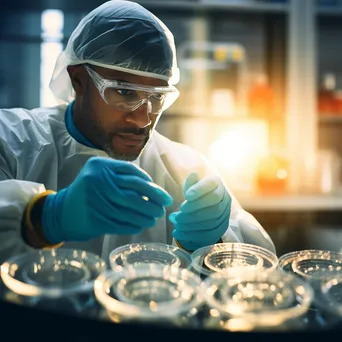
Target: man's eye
158	96
125	92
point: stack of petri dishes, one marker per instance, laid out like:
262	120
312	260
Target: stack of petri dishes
151	293
60	280
148	253
318	268
256	301
150	282
231	258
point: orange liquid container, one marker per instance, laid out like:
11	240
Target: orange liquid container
260	99
272	174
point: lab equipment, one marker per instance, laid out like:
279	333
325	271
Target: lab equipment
232	258
119	35
315	267
213	82
255	300
330	301
204	215
107	197
26	173
151	293
59	280
148	253
128	97
38	152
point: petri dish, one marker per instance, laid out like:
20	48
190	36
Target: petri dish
147	253
261	299
317	264
148	292
231	257
52	273
331	298
285	261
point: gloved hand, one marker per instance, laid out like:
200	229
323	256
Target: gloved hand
105	198
204	215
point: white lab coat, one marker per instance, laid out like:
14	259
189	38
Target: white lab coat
38	153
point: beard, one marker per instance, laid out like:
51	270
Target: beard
107	138
108	148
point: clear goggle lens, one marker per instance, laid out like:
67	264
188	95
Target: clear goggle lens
128	97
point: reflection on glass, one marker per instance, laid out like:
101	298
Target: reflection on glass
147	253
150	293
317	267
331	288
256	300
58	279
318	264
231	257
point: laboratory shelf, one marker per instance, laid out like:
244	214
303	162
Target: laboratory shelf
330	119
329	11
292	203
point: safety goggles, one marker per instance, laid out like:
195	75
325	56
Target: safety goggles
128	97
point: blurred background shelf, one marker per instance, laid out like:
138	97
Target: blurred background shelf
329	12
330	119
291	203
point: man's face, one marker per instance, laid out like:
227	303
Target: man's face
122	135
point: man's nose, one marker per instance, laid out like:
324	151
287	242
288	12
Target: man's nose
141	116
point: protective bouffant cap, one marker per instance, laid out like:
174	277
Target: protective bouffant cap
119	35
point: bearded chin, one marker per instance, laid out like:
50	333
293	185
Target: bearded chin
107	147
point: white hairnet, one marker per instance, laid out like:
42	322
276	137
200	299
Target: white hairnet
120	35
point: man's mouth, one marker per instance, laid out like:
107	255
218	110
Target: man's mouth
132	140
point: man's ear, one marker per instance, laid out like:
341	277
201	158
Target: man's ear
78	77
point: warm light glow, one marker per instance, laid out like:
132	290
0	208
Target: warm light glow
237	151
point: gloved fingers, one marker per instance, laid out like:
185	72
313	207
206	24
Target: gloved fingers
213	198
203	187
208	226
214	212
119	167
144	188
137	203
108	225
191	180
132	217
128	168
197	238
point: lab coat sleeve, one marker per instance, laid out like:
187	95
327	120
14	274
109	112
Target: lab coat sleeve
14	196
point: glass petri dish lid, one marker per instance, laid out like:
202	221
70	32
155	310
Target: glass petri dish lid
259	298
52	273
317	264
148	292
285	261
331	294
229	257
147	253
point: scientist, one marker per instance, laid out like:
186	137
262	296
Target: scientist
92	172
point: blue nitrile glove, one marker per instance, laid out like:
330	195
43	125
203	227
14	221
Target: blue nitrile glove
105	198
204	216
